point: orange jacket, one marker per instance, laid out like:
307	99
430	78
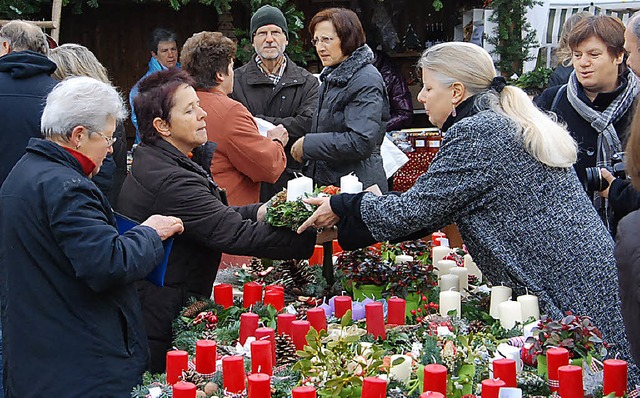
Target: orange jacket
243	157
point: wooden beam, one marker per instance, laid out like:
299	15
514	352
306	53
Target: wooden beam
42	24
54	24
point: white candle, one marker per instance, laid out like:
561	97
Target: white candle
530	306
449	300
298	187
504	350
401	371
472	267
350	184
403	259
463	278
510	313
444	266
498	295
449	282
438	253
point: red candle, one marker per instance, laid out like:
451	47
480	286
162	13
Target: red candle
318	255
223	295
259	385
615	377
177	361
505	370
374	387
556	357
270	288
248	325
431	394
261	357
435	378
377	246
184	390
268	334
342	304
304	392
274	298
397	311
570	378
437	235
491	388
233	374
375	320
252	294
206	356
284	323
318	318
336	247
300	330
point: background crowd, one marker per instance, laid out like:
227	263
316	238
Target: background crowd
528	183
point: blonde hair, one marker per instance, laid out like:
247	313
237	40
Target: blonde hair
77	60
466	63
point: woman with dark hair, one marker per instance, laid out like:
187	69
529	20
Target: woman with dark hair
597	102
163	176
350	123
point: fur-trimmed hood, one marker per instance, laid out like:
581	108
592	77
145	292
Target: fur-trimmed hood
341	74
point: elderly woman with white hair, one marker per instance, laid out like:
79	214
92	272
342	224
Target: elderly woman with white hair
504	176
70	313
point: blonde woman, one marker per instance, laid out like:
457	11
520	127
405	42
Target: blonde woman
77	60
504	175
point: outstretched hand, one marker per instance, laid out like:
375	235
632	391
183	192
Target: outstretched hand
165	226
323	217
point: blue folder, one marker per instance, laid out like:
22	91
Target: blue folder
157	275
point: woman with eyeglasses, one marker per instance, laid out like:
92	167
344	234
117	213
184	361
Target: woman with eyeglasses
349	125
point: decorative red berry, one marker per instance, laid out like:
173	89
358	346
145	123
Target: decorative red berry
413	312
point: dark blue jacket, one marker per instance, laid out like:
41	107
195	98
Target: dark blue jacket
71	318
25	82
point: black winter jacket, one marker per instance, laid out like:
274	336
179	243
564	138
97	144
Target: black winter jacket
627	253
291	103
164	181
71	318
400	103
350	124
25	82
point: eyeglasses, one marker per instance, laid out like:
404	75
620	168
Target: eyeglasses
324	40
110	140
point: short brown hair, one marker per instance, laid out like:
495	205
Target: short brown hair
605	27
347	25
206	53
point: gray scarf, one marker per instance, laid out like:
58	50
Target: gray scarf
608	140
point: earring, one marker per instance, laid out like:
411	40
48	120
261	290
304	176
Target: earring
453	112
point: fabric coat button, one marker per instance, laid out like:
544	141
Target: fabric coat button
591	151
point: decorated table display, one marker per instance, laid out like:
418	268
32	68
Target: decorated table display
258	346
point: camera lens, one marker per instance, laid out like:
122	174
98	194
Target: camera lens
594	180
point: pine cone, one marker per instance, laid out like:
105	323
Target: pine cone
194	377
209	334
285	350
194	309
476	327
296	274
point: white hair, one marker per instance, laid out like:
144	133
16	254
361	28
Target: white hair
469	64
80	101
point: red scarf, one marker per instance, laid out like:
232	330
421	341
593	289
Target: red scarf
87	164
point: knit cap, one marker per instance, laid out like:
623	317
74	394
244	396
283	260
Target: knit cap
268	15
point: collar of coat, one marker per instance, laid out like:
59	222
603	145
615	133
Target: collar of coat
292	73
341	74
201	161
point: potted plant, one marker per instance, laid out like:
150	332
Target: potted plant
365	271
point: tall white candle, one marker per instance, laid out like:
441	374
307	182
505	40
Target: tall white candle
504	350
444	266
463	278
298	187
471	266
449	282
401	371
438	253
403	259
449	300
530	307
510	312
498	295
350	184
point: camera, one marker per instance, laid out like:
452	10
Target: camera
595	181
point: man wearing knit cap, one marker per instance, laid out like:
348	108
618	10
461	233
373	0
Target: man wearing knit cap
274	88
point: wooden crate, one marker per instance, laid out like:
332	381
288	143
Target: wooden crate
426	143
